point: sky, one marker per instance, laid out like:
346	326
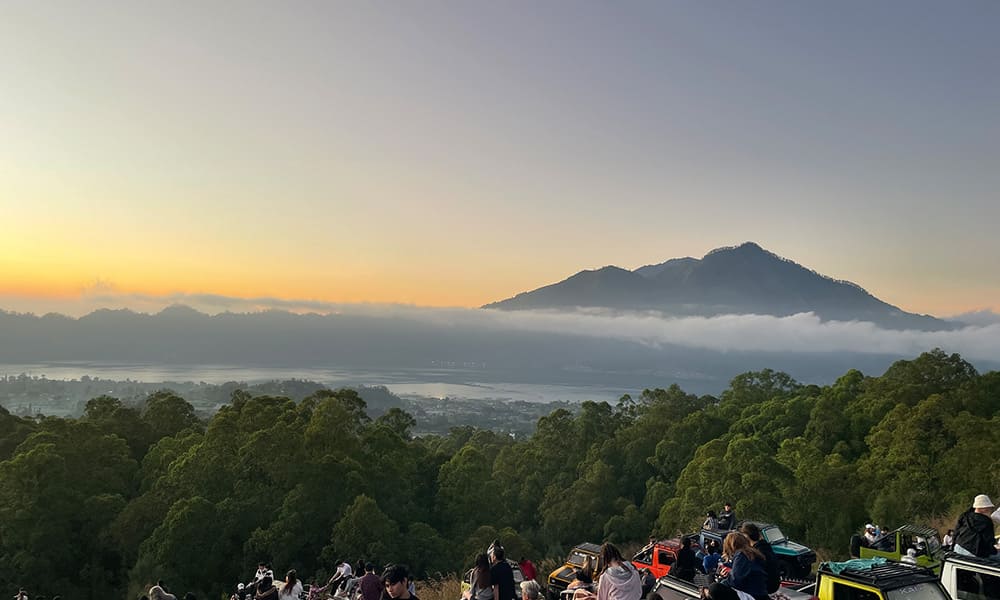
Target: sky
450	154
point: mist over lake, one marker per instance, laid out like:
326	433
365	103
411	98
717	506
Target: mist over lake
458	382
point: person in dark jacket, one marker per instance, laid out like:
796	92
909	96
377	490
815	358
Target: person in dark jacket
727	518
687	562
748	573
770	560
974	531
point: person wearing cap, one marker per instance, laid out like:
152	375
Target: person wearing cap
870	536
974	530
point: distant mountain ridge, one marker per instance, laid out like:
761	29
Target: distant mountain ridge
744	279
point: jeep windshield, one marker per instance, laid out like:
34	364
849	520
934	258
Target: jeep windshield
930	590
576	558
933	545
773	535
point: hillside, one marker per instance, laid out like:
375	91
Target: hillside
745	279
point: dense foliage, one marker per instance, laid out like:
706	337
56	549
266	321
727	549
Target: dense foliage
106	504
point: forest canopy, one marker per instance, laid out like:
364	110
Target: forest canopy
106	504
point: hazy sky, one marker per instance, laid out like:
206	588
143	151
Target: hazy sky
456	153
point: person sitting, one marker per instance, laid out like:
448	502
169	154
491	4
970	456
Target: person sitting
949	540
292	587
710	564
869	536
582	580
687	563
761	545
266	590
157	592
711	522
727	518
748	574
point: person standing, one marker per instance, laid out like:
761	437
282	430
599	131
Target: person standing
370	584
481	584
527	569
501	574
974	531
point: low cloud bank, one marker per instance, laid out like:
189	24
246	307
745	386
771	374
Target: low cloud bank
800	333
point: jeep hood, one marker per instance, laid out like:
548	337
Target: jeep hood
788	547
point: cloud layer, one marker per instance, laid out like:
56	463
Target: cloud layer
800	333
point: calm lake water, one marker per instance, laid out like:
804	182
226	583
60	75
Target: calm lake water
435	382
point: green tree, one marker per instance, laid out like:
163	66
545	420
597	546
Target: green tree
167	414
365	531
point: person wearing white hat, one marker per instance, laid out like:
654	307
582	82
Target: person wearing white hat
870	534
974	530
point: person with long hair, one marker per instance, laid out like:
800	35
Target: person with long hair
292	587
481	581
748	574
618	579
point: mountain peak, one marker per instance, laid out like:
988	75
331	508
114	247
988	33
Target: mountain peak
742	279
179	310
746	248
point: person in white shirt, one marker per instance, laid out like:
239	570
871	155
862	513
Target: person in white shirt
949	540
870	536
341	575
262	572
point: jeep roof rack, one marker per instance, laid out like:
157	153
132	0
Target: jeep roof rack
914	529
888	575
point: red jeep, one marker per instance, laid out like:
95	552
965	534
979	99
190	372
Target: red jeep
658	556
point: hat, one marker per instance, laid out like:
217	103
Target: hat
982	501
869	526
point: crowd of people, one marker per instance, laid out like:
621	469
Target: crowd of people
744	568
973	534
